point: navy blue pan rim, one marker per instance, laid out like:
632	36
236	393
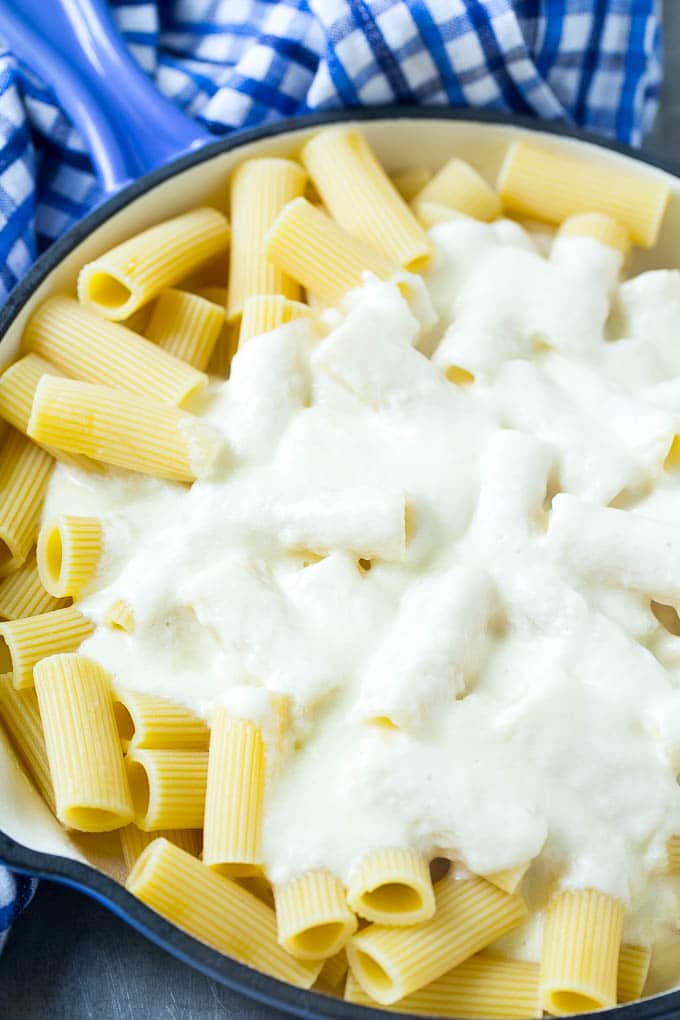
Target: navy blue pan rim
298	1002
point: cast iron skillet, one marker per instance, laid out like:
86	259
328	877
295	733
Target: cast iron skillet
115	123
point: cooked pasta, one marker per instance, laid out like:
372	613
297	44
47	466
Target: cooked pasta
314	921
459	186
361	198
598	227
147	721
84	345
22	594
69	549
120	616
264	312
392	887
260	188
632	973
83	750
410	181
133	841
32	639
215	910
24	473
20	713
131	274
18	384
168	787
334	970
187	326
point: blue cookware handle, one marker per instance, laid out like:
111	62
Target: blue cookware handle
128	127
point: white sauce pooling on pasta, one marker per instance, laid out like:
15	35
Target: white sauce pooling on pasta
488	687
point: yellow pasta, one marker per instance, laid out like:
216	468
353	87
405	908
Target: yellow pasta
459	186
32	639
410	181
361	198
322	256
186	326
552	186
68	553
24	473
216	295
632	972
84	345
120	616
485	987
22	594
598	227
260	188
147	721
17	388
390	963
215	910
392	887
234	800
673	851
581	943
266	312
314	921
334	970
168	787
122	429
225	349
509	879
126	277
133	841
430	214
86	762
20	713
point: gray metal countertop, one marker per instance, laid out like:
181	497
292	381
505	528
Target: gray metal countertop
68	958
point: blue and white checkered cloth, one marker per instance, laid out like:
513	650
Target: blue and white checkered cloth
238	63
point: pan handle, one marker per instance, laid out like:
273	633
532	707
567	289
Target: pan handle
128	127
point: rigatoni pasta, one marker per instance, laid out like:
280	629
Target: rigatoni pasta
187	326
147	721
22	594
392	887
459	186
24	473
134	841
69	549
313	918
168	787
264	312
31	640
20	713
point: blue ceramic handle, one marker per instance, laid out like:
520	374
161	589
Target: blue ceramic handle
128	127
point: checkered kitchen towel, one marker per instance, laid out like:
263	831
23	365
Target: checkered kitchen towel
237	63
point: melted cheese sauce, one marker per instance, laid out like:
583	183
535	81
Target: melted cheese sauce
472	683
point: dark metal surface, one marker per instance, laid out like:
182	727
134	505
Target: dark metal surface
69	958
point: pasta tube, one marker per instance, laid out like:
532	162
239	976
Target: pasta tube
68	553
581	943
260	188
131	274
234	800
598	227
122	429
553	186
24	473
133	841
632	973
318	253
390	963
459	186
485	987
263	313
82	344
120	616
36	637
22	594
168	787
20	713
215	910
86	762
392	887
410	181
334	970
227	342
186	326
147	721
314	921
361	198
18	384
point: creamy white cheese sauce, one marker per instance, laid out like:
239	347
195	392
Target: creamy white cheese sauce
484	690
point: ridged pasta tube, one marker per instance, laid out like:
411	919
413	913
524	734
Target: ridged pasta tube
133	841
234	800
265	312
86	762
392	887
120	616
361	198
485	987
69	549
317	252
581	944
20	713
37	637
598	227
459	186
147	721
18	384
632	972
552	186
24	473
22	594
390	963
84	345
122	429
215	910
673	853
131	274
260	188
168	787
186	326
314	921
